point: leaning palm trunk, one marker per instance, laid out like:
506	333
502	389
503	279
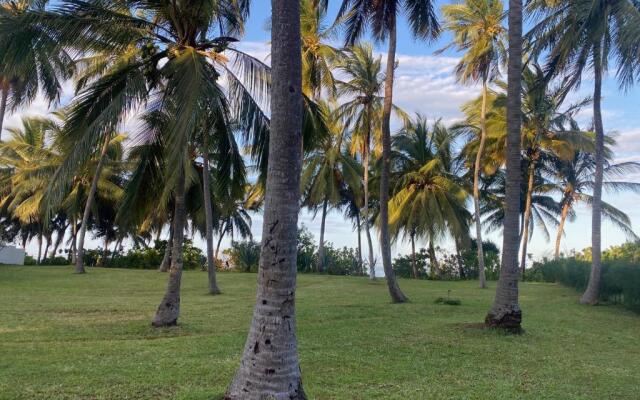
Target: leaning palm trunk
505	312
527	217
47	241
365	209
590	295
211	264
39	248
74	235
320	267
169	308
394	289
270	368
166	259
3	106
360	270
57	243
476	186
414	264
79	269
563	218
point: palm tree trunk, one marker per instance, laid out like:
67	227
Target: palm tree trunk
74	233
211	265
505	312
169	308
166	259
360	270
224	229
270	368
435	266
476	186
58	241
39	248
414	265
385	244
87	208
3	105
365	208
590	295
321	265
527	218
115	250
47	241
105	252
563	218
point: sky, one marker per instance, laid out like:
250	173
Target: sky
425	83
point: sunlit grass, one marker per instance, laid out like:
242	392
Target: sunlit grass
64	336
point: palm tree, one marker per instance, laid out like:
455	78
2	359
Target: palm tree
477	28
327	172
362	114
505	312
270	366
575	181
428	199
381	16
576	35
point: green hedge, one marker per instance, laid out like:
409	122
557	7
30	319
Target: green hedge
620	281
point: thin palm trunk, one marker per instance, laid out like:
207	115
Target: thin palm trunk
360	270
270	368
211	265
563	219
527	217
47	241
39	248
3	106
166	259
435	266
58	241
169	308
365	208
385	243
590	295
476	186
222	232
505	312
74	249
115	249
321	260
105	252
79	269
414	264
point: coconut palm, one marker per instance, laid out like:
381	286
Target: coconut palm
580	34
505	312
575	182
270	366
428	200
478	31
327	171
381	16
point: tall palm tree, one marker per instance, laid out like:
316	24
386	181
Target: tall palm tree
428	200
596	34
363	84
505	312
478	31
575	182
326	173
381	16
270	366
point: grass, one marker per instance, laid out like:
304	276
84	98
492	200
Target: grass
64	336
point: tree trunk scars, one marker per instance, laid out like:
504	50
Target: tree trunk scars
270	368
590	295
385	244
482	280
505	312
563	219
321	258
79	268
211	265
169	308
527	217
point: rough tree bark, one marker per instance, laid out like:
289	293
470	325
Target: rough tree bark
476	186
320	267
590	295
211	264
270	368
385	243
505	312
169	308
79	269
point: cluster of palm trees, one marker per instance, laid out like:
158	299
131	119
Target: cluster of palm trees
316	128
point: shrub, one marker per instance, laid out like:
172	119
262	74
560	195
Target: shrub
403	267
244	256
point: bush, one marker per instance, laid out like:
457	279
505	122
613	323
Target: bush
403	266
620	282
244	256
342	261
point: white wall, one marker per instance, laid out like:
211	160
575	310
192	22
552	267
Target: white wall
11	255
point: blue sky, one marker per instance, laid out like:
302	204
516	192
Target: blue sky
425	83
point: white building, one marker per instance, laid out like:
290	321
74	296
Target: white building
11	255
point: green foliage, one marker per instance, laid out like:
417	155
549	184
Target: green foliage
342	261
306	250
244	256
403	267
491	260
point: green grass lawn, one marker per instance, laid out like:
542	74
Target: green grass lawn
64	336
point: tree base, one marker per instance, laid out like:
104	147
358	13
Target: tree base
297	394
509	322
164	324
79	271
214	291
